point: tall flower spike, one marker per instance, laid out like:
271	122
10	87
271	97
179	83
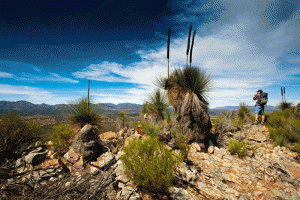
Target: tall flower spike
188	47
168	49
192	49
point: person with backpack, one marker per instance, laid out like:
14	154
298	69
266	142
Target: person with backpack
260	106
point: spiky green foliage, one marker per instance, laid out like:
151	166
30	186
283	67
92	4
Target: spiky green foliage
149	164
156	104
187	79
16	134
80	114
284	105
123	118
61	138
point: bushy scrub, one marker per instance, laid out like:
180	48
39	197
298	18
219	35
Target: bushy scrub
181	142
149	164
16	134
61	138
239	148
284	105
297	147
151	129
243	110
168	115
280	140
227	121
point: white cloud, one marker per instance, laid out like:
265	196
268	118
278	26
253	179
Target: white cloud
53	77
31	92
6	75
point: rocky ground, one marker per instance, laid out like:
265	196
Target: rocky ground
270	173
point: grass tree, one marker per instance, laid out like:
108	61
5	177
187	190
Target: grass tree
186	90
123	118
156	105
81	113
284	105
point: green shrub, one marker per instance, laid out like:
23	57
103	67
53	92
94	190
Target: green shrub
284	105
149	164
243	109
181	143
61	138
149	128
80	114
297	147
169	116
16	134
280	140
239	148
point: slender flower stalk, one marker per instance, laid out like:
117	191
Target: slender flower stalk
192	49
188	47
168	50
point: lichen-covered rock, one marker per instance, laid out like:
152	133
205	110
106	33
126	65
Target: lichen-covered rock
180	194
35	158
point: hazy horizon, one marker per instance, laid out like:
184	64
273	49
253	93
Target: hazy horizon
49	49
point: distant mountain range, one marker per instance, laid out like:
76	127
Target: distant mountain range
27	108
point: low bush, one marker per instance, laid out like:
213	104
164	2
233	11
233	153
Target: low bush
16	135
284	105
181	142
281	140
239	148
61	138
150	129
149	164
297	147
243	110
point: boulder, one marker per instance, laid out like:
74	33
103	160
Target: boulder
71	156
108	135
87	143
104	160
35	158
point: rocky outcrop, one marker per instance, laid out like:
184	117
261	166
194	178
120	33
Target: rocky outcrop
87	143
269	173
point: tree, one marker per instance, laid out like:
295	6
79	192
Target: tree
155	105
82	114
284	105
123	118
186	92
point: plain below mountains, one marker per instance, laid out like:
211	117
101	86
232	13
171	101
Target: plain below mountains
26	108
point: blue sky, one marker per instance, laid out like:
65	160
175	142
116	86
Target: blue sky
49	49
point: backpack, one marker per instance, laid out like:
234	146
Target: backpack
263	99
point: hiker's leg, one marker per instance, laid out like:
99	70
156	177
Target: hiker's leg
263	118
256	117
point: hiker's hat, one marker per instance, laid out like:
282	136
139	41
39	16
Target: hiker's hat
260	91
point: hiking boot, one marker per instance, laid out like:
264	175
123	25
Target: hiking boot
256	122
262	123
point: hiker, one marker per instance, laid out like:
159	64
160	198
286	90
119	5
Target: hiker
259	108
